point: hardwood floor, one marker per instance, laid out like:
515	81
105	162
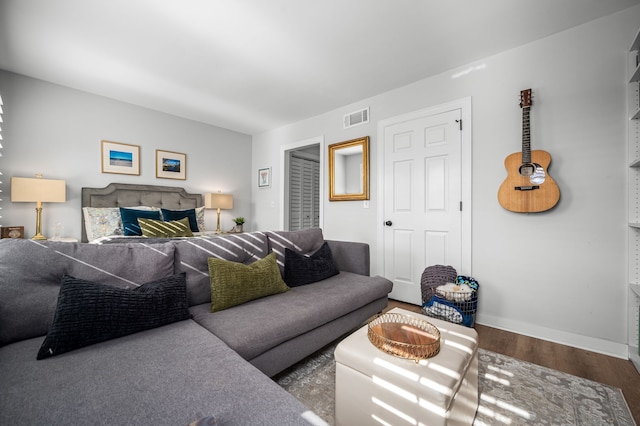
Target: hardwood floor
590	365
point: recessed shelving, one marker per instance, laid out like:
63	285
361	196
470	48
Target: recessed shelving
633	185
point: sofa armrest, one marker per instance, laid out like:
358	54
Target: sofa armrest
351	256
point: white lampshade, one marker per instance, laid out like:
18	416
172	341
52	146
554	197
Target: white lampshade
37	189
218	201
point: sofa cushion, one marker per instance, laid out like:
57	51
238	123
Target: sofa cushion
130	219
29	289
300	269
171	375
262	324
161	229
305	242
89	313
190	214
233	283
191	257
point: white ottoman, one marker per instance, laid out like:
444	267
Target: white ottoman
373	387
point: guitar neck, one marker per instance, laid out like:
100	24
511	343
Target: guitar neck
526	136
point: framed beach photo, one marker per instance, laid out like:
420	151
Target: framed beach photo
171	165
120	158
264	177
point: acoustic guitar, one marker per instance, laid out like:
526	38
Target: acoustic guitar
528	187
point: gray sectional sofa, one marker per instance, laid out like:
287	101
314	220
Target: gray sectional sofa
212	365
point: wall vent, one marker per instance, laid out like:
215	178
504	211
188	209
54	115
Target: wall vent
356	118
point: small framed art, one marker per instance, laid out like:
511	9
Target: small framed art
120	158
264	177
171	165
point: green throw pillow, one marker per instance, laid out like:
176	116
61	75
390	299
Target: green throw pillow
234	283
160	229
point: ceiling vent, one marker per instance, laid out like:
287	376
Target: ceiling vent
356	118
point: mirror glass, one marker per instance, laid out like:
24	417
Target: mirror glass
349	170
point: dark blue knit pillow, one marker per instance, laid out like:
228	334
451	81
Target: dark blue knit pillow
171	215
89	313
300	269
130	219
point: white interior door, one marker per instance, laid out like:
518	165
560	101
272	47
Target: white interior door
422	199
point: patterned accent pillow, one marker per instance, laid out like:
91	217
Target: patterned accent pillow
130	219
169	215
161	229
89	312
300	269
102	221
200	218
233	283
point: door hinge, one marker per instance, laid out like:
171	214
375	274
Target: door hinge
460	205
460	123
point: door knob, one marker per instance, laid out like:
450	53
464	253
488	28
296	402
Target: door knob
388	223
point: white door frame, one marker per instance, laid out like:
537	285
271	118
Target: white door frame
464	105
284	166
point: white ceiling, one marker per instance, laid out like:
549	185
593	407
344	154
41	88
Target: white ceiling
253	65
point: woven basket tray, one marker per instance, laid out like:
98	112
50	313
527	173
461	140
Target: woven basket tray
404	336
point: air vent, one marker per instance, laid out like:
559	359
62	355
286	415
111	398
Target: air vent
356	118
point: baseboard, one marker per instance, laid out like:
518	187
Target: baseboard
605	347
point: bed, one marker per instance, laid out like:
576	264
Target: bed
131	195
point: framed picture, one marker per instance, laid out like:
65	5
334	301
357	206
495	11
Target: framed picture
120	158
264	177
171	165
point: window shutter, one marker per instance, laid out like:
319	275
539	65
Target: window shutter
1	178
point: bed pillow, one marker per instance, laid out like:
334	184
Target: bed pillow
234	283
102	221
89	312
162	229
300	269
130	219
169	215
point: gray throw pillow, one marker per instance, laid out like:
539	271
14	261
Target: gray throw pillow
89	313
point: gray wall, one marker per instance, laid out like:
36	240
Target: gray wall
559	275
56	131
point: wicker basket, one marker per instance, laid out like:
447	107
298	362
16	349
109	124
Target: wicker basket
404	336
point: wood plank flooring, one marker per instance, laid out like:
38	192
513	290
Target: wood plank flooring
590	365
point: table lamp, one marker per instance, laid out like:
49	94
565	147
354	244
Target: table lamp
38	190
218	201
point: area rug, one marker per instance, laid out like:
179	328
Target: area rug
512	392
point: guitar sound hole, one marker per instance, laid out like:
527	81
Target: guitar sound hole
526	169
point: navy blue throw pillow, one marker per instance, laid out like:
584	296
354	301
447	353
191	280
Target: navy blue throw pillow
300	269
89	313
172	215
130	219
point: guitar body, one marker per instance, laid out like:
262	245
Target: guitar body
535	192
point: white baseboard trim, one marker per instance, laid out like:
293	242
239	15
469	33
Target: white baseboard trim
601	346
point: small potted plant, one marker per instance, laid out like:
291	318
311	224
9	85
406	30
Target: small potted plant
239	222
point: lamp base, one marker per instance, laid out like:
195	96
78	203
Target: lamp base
39	237
218	227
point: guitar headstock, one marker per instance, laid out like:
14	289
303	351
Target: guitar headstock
525	98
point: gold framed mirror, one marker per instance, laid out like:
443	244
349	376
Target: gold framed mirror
349	170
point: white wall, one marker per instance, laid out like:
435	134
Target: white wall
56	131
559	275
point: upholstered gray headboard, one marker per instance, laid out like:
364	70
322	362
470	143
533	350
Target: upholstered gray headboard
130	195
